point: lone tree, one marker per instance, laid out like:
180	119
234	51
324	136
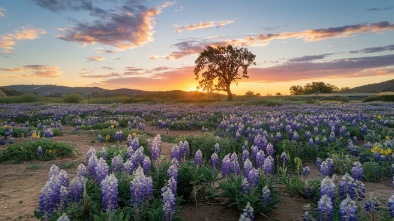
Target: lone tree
220	66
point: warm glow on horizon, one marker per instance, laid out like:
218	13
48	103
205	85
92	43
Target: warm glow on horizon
152	45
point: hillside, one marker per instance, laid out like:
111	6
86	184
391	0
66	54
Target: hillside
374	88
57	91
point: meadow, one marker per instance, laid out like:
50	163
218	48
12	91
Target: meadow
259	160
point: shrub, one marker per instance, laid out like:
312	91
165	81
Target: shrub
20	152
73	98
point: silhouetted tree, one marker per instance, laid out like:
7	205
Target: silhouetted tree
314	87
218	67
296	90
249	93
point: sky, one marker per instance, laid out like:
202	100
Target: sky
152	45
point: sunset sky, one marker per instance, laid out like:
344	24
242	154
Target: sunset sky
152	45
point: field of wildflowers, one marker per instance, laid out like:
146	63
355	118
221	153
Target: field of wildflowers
242	156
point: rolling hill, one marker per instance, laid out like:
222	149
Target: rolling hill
374	88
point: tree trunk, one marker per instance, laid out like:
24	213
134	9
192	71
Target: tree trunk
229	94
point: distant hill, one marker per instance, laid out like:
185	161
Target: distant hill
58	91
374	88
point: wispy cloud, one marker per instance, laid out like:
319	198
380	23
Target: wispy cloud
134	69
34	71
202	25
1	12
110	75
375	49
107	68
189	47
309	58
379	9
349	67
126	27
100	50
8	41
96	58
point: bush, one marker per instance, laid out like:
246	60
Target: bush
73	98
17	153
29	98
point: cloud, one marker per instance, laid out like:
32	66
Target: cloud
202	25
35	71
96	58
8	41
100	50
309	58
159	81
127	27
107	68
375	49
379	9
134	69
112	74
189	47
1	12
349	67
63	5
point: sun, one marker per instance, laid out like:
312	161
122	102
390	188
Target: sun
194	88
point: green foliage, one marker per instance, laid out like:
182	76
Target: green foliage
313	88
297	185
20	152
372	172
73	98
343	163
236	197
67	165
29	98
385	98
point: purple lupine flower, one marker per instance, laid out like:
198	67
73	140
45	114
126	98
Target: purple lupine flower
368	145
305	171
135	144
307	135
118	136
198	158
318	162
129	167
90	153
175	162
325	208
186	149
226	166
156	147
266	196
259	142
360	190
278	136
53	171
247	215
39	151
310	142
235	168
82	171
357	171
372	206
138	156
346	187
260	158
173	172
104	154
172	184
92	164
63	178
269	165
245	185
109	193
327	187
168	203
76	188
317	141
323	133
391	206
327	167
332	137
296	136
348	210
247	167
63	217
49	199
117	164
270	150
146	164
315	130
175	152
255	150
141	188
129	152
253	177
102	171
245	155
284	158
217	148
310	190
63	196
382	158
214	162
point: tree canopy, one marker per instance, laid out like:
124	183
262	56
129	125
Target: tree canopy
316	87
219	66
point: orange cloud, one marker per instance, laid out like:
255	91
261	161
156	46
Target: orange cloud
202	25
193	47
8	41
35	71
96	58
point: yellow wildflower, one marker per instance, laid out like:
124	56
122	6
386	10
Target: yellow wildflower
107	137
112	126
388	151
379	117
134	134
382	151
387	138
375	149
